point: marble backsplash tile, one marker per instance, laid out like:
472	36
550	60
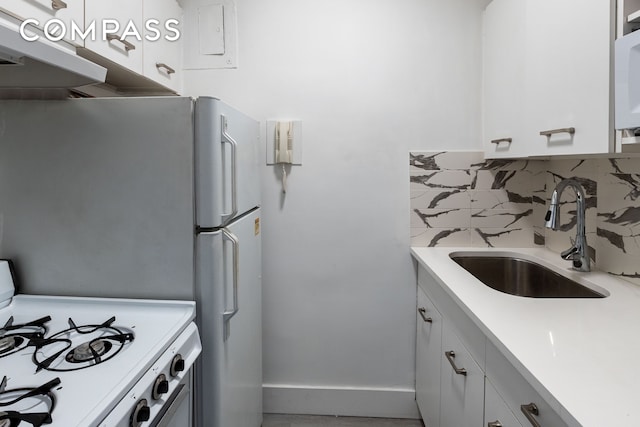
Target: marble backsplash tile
459	199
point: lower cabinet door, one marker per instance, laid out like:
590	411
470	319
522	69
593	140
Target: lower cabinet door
462	384
496	411
428	352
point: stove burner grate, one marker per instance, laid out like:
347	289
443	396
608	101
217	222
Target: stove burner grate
14	338
97	344
32	398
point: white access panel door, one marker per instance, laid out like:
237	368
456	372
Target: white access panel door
229	372
227	159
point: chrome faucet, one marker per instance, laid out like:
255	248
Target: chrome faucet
578	253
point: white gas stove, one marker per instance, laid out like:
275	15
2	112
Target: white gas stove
83	362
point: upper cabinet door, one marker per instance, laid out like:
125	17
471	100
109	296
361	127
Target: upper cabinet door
568	76
503	78
162	57
547	80
44	11
124	46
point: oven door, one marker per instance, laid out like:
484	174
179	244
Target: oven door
177	411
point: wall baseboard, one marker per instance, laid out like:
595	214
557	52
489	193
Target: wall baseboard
355	402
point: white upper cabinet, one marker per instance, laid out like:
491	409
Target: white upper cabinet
560	81
44	11
503	71
162	59
120	45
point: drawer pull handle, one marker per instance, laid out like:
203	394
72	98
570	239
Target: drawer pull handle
498	141
127	45
570	131
166	67
450	356
495	424
530	411
58	4
422	312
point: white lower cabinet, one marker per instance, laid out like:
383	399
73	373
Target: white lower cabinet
462	379
518	394
462	384
428	351
496	411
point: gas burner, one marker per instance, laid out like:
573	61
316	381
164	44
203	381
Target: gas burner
14	338
79	347
31	405
88	351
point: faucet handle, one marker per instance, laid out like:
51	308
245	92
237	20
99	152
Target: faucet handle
571	253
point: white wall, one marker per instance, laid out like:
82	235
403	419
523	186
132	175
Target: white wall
370	80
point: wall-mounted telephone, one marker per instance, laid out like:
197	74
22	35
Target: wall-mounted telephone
284	142
284	146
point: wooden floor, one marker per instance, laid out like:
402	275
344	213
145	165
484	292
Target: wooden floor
275	420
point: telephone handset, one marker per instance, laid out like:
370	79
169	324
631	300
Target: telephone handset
284	142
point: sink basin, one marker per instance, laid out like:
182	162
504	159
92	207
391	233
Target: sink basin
523	278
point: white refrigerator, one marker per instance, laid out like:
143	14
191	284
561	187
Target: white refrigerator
145	198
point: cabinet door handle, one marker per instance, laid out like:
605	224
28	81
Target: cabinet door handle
166	67
495	424
58	4
530	411
127	45
422	312
498	141
450	356
570	131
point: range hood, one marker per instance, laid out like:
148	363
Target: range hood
42	64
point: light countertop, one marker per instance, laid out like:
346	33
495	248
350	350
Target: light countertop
582	353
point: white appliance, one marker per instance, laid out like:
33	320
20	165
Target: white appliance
145	198
627	81
68	361
42	64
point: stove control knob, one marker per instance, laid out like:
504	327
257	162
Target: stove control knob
177	365
140	414
160	387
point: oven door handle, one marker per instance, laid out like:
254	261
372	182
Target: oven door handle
178	397
228	314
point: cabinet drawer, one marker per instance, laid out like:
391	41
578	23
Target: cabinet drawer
496	411
517	391
43	11
125	51
162	61
428	351
462	397
470	335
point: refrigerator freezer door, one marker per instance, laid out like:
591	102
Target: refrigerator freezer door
227	156
229	371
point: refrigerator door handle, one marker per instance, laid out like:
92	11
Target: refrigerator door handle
228	139
228	314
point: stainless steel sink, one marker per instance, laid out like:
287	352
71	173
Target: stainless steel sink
523	278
